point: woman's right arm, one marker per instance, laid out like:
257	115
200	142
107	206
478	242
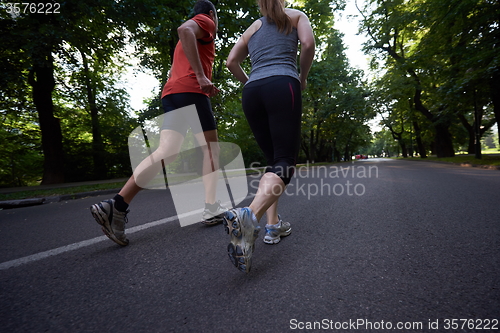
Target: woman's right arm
239	52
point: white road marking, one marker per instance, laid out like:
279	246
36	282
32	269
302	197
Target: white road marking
79	245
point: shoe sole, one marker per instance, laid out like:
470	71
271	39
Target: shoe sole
102	219
241	248
276	240
213	220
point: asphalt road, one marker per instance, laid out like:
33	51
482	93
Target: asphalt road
377	244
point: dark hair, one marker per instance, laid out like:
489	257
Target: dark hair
203	7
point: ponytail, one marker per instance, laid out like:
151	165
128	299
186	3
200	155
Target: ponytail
274	10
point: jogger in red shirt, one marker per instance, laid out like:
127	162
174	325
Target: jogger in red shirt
189	83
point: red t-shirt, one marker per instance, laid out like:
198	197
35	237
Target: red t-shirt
182	78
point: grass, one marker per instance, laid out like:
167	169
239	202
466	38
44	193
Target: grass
59	191
487	159
490	151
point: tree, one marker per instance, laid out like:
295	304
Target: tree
60	96
464	36
393	29
383	145
447	48
20	158
41	78
392	98
335	106
88	27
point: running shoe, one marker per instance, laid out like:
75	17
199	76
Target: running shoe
239	225
111	220
276	231
213	216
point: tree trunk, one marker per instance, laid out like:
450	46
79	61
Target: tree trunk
420	144
478	115
442	137
311	146
495	98
398	136
347	151
444	144
482	128
402	144
41	78
403	148
305	148
347	156
98	152
336	153
471	148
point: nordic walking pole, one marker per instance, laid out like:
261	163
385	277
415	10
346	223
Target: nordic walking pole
228	187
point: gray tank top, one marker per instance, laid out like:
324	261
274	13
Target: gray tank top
272	53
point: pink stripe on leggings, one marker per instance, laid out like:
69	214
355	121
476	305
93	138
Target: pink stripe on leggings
293	96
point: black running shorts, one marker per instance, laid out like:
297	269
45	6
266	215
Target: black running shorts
182	124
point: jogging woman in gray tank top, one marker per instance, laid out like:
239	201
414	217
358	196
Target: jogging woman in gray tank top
273	106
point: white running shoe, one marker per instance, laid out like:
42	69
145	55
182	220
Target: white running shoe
111	220
213	217
239	224
274	232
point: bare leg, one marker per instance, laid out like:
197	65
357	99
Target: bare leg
272	213
208	141
170	145
270	189
129	190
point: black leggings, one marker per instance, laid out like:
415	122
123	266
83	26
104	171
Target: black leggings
273	107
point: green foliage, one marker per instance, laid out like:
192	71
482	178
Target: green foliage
447	54
383	145
20	156
86	46
78	142
335	107
440	64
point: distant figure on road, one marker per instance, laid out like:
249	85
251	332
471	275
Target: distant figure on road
189	83
272	104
